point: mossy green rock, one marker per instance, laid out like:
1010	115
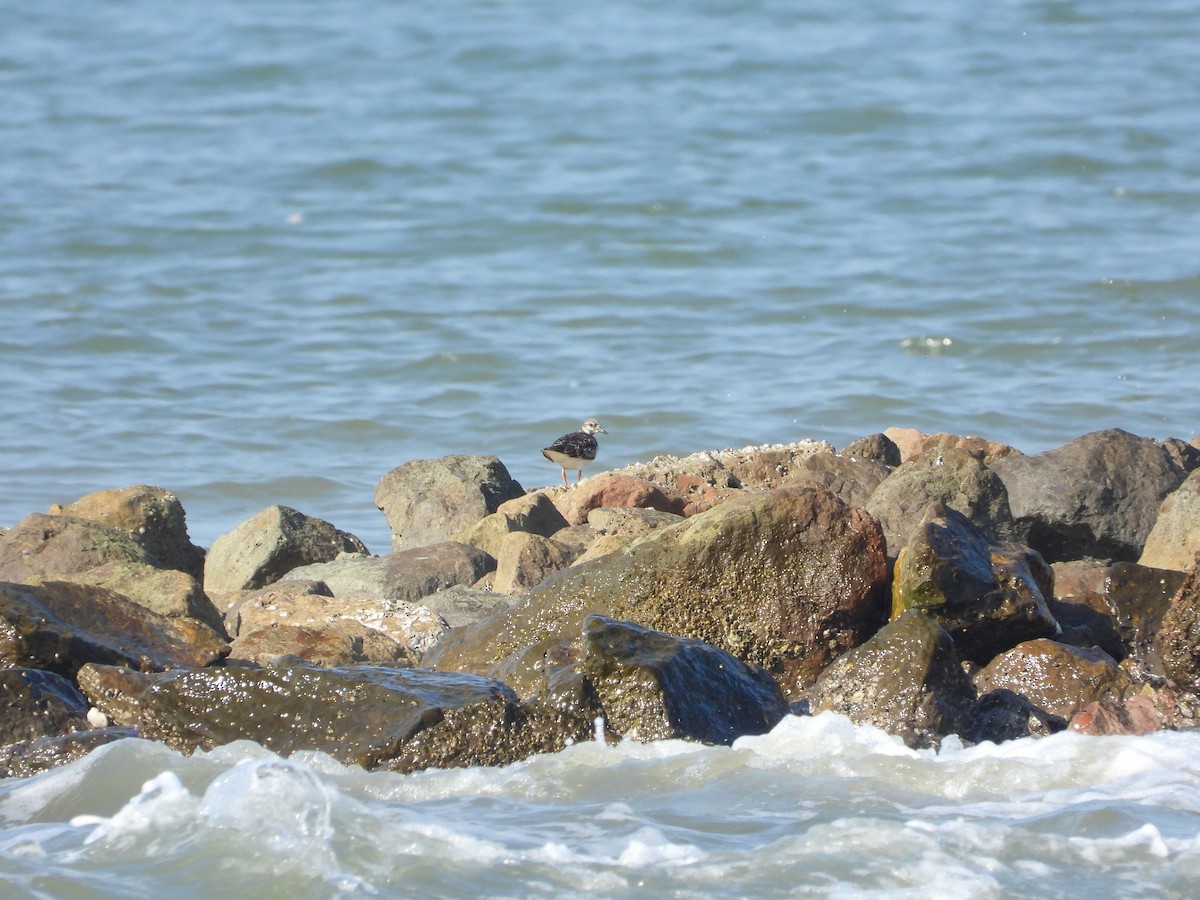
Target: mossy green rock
785	580
989	596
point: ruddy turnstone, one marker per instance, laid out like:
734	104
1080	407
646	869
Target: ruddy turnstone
575	450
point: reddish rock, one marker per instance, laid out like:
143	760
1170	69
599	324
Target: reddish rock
614	490
1135	716
913	443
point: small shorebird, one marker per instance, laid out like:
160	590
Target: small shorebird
575	450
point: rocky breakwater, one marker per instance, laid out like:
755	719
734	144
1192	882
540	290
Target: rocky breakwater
930	585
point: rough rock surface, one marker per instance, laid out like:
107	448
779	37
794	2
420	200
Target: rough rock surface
614	490
1178	638
950	476
59	627
913	443
461	605
26	758
152	516
853	480
370	716
786	580
414	627
427	501
906	680
652	686
1135	716
527	560
532	514
989	596
35	703
401	575
1057	679
42	545
1097	496
342	643
875	447
1174	541
264	548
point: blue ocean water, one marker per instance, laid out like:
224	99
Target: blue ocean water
263	252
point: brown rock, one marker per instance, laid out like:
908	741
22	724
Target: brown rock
526	560
786	580
1135	716
1174	541
1057	679
42	545
343	643
59	627
151	516
1178	638
853	480
913	443
613	490
533	514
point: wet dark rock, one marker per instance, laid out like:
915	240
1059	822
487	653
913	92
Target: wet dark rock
427	501
786	580
1139	598
906	679
1057	679
59	627
875	447
990	596
151	516
402	719
1003	715
26	758
1097	496
1178	637
35	703
530	514
652	686
952	477
407	575
1174	540
268	546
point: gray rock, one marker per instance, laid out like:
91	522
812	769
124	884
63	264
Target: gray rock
951	476
652	686
42	545
990	596
263	549
1174	541
1097	496
461	605
59	627
853	480
906	680
151	516
403	574
427	501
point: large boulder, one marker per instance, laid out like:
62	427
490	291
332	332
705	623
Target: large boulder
42	545
1097	496
786	580
525	560
151	516
1057	679
950	476
1178	638
906	680
652	686
427	501
375	717
1174	540
264	548
406	575
990	596
35	703
852	478
59	627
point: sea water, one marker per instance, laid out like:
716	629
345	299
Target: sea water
263	252
818	807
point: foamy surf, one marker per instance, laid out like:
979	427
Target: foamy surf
817	807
